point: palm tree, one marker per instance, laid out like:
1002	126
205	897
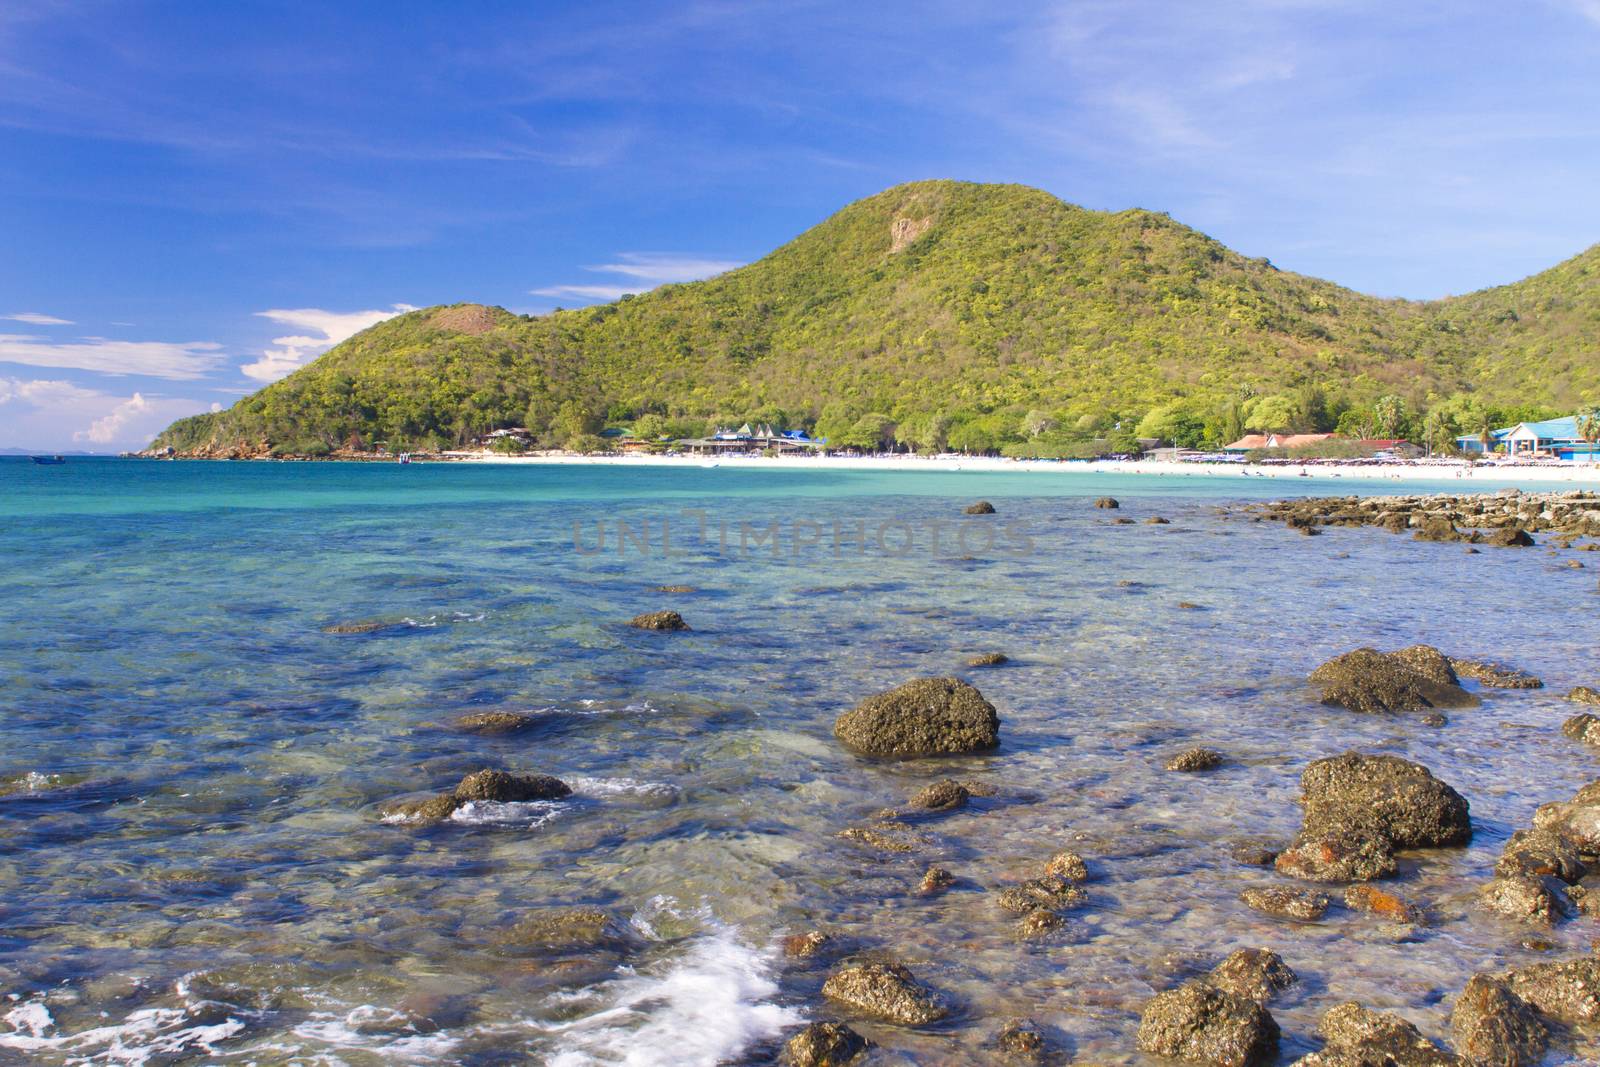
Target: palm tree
1588	425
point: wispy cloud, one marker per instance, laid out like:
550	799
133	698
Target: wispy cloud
178	360
33	318
296	350
647	269
1589	9
658	268
588	292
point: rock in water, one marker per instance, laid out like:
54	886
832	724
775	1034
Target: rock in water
1541	854
1196	759
1386	796
885	991
1067	866
1584	694
1493	675
947	795
567	929
1360	1038
1107	502
988	659
493	723
1527	899
1283	903
823	1045
1375	901
1021	1037
1493	1025
1373	682
982	507
658	620
925	717
1567	991
510	788
1335	857
1256	974
1202	1024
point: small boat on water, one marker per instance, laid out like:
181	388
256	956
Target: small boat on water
48	461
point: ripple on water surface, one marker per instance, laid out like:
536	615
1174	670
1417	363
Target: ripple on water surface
195	869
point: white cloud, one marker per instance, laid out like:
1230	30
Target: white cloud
56	414
1589	9
33	318
108	428
158	359
650	269
295	351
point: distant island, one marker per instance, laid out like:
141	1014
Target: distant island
949	316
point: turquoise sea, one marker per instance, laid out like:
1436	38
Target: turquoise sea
193	868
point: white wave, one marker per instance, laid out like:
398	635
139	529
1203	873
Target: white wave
528	813
701	1009
146	1035
354	1031
597	788
429	622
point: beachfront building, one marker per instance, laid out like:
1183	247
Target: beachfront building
1252	441
752	439
1558	438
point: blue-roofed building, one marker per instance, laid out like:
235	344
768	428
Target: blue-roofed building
1552	437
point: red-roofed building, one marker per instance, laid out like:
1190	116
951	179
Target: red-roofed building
1253	441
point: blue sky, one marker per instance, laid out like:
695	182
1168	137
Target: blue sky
196	198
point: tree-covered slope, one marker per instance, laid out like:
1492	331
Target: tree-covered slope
930	300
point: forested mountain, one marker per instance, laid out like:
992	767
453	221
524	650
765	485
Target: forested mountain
949	313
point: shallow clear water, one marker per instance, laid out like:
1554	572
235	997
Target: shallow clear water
193	869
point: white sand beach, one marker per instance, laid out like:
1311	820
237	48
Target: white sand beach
1490	474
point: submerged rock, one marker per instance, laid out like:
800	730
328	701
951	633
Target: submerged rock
1383	796
925	717
1196	759
1040	922
658	620
493	723
1492	675
568	929
989	659
1282	903
1583	694
982	507
366	626
807	945
1372	682
1337	857
1357	1037
935	880
1375	901
1021	1037
823	1045
676	589
1202	1024
1494	1026
1256	974
883	836
1041	893
886	991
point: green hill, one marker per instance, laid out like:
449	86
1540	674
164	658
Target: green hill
978	315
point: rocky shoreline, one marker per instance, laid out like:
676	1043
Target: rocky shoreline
1507	518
